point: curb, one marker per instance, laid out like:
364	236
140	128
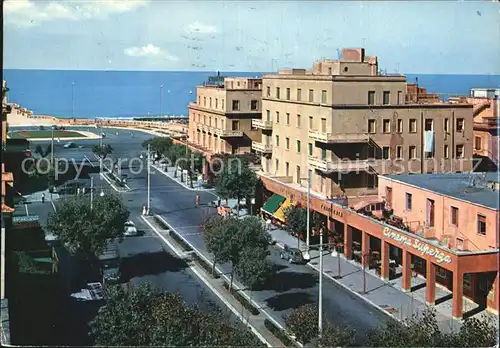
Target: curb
181	183
373	304
235	282
220	296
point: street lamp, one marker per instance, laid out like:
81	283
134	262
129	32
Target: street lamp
149	180
320	299
73	99
336	254
307	255
161	100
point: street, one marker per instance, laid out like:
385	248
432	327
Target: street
291	287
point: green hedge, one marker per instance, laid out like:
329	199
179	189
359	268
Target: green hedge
279	333
241	299
160	223
207	267
180	241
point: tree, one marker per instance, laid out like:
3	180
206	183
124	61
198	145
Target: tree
254	268
85	231
160	145
336	336
143	316
228	237
175	153
296	220
303	323
236	181
212	238
423	331
102	151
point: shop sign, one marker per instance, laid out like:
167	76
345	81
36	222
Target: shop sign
414	243
329	208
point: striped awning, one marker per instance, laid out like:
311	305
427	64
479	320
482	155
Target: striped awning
280	213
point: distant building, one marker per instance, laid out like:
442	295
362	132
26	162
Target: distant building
220	121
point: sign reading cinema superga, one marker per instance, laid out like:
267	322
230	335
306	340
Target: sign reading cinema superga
414	243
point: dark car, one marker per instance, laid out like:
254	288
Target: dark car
293	255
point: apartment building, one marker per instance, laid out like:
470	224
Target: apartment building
220	121
344	123
457	216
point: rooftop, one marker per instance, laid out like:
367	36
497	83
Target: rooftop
468	187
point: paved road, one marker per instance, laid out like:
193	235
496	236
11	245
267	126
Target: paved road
293	285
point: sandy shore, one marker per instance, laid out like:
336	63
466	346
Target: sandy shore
86	136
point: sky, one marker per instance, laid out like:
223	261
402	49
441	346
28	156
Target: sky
435	37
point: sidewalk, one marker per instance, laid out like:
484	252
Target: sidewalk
254	322
385	296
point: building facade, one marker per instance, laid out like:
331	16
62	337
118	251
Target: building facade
7	178
342	124
220	121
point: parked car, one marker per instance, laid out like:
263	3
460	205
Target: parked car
110	264
130	229
69	145
293	255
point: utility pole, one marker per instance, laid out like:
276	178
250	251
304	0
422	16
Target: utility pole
307	256
149	181
320	299
91	192
52	148
73	99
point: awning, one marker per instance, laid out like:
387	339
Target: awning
280	213
273	203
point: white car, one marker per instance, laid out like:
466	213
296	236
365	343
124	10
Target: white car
130	229
69	145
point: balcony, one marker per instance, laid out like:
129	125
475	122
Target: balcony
489	123
260	147
227	133
329	138
339	165
261	124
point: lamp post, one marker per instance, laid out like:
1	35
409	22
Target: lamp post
161	100
336	253
307	256
91	192
363	260
149	180
73	99
320	296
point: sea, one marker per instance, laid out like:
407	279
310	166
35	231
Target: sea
128	94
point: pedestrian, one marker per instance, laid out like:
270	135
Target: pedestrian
43	197
268	224
197	199
78	191
83	190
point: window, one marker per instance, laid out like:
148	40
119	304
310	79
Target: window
323	154
310	122
254	105
413	152
446	151
299	94
287	143
387	97
222	103
386	126
297	180
408	201
199	100
460	124
399	126
298	145
459	151
323	97
446	125
371	98
329	71
311	95
210	121
477	143
413	126
277	117
323	125
268	115
400	97
216	103
441	272
276	165
399	152
277	140
298	121
215	123
386	153
372	126
210	102
310	149
481	224
430	213
277	92
268	91
454	216
428	124
287	119
236	105
288	94
204	101
287	169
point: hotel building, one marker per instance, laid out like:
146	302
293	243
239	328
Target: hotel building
220	121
